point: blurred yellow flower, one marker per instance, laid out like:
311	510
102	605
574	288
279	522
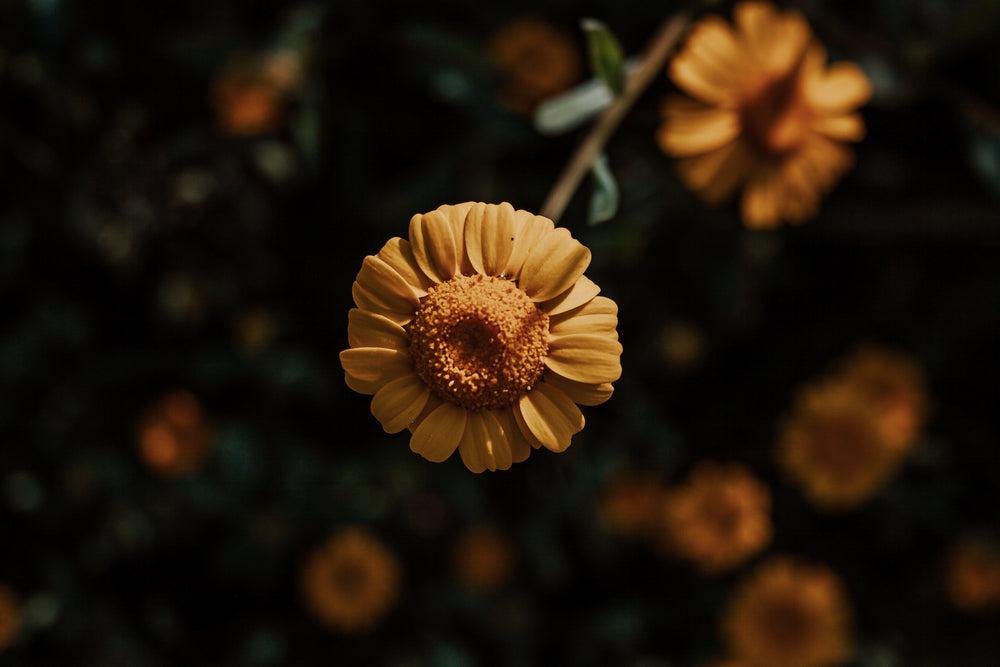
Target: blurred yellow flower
350	582
483	558
718	518
481	334
833	446
10	617
789	614
536	60
629	504
972	575
174	436
896	385
764	113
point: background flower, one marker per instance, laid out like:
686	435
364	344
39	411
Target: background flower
765	114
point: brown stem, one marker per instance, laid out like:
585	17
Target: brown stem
650	65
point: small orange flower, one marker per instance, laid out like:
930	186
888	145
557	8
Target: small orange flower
972	575
483	558
789	614
718	518
249	95
896	385
537	61
481	334
174	437
765	113
10	617
834	447
630	503
350	582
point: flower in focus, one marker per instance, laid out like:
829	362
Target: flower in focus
250	93
896	385
536	60
972	575
789	614
174	436
481	334
833	446
350	582
10	617
764	114
718	518
482	558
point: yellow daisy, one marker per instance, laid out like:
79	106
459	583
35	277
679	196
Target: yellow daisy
764	113
481	333
789	614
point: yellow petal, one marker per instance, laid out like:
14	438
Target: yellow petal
713	43
398	253
376	365
489	237
366	300
755	22
686	133
841	89
520	448
399	402
715	175
439	433
528	230
599	316
437	241
523	428
484	445
583	393
585	358
700	83
760	206
553	265
841	128
367	329
580	293
551	416
387	286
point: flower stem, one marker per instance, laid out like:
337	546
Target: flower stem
650	65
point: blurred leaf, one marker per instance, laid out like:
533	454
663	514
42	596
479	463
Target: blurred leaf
571	109
607	60
604	201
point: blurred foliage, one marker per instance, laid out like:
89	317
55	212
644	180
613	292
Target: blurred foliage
144	250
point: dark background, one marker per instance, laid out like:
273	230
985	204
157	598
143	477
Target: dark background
137	238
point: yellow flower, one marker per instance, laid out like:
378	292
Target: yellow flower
536	60
789	614
483	558
481	334
718	518
896	385
10	617
834	447
972	575
765	113
351	581
174	436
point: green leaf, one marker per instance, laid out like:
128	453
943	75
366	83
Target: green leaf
604	200
607	59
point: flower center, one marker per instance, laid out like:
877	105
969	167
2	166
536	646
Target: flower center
775	117
479	342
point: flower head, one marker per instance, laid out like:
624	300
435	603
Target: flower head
10	617
834	447
718	518
351	581
174	436
763	112
896	385
789	614
536	60
481	334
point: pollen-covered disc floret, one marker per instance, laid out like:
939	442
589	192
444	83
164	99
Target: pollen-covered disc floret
479	342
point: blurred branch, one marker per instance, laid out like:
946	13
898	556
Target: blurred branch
651	65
